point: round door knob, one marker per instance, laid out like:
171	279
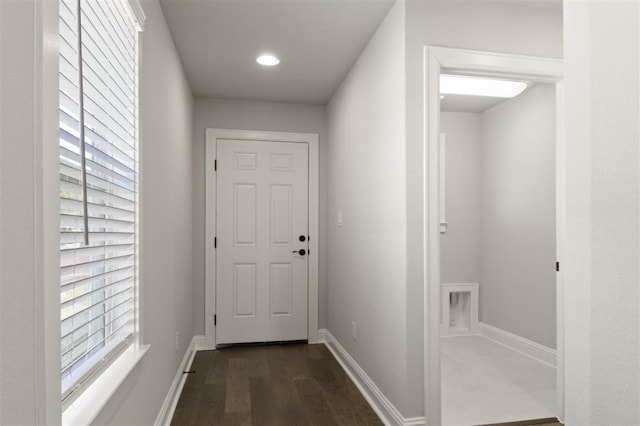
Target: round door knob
301	252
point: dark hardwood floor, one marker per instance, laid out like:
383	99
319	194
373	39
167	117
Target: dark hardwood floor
291	384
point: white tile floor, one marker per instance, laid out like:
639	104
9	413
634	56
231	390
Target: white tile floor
484	382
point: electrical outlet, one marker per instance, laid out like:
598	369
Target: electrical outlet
177	340
354	334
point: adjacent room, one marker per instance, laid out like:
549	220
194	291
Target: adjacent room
498	250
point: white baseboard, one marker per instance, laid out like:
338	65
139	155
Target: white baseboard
171	401
387	412
201	344
321	336
316	337
527	347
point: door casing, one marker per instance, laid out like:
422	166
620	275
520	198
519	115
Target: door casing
482	63
212	135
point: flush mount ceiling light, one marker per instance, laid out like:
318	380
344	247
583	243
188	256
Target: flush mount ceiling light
479	86
267	60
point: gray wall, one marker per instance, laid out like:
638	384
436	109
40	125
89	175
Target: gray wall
460	245
253	115
602	75
29	208
517	244
367	183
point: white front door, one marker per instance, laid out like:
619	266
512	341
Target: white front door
262	231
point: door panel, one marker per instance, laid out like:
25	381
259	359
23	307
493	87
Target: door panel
281	289
281	206
262	209
244	290
244	209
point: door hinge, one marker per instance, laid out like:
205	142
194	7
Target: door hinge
215	320
215	165
215	242
557	266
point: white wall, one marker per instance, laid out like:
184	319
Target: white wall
517	249
496	26
460	245
29	312
602	73
19	287
166	203
253	115
367	183
29	274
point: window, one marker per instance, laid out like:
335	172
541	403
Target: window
98	185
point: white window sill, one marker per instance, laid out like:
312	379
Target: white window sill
93	399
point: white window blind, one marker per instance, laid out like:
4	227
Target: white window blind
98	185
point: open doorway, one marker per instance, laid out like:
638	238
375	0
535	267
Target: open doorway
497	247
547	75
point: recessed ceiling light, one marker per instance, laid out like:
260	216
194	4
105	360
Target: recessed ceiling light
479	86
267	60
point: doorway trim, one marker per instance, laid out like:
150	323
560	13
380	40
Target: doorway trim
482	63
211	139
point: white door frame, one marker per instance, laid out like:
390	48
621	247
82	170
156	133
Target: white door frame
483	63
212	136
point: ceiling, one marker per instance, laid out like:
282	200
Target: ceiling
466	103
317	42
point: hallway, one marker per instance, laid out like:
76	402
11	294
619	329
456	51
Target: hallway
376	176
